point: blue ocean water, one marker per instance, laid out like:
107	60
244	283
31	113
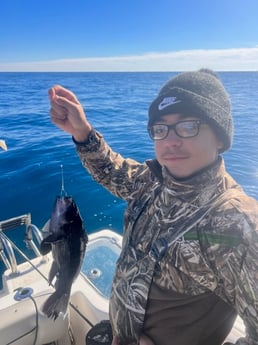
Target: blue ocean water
116	104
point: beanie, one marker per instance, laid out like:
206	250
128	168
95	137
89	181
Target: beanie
200	94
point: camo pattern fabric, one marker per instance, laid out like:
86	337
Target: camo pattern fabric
219	253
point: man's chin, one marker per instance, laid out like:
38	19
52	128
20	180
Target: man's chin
178	173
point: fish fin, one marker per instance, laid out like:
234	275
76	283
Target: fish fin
56	303
51	238
53	272
45	247
45	228
54	238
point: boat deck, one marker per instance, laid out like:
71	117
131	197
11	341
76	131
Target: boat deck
237	331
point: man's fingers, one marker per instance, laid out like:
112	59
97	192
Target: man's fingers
57	108
62	116
58	90
51	94
65	102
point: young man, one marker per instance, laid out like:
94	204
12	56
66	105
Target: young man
189	260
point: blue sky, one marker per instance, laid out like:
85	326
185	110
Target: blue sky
99	35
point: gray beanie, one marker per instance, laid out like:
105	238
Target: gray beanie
199	94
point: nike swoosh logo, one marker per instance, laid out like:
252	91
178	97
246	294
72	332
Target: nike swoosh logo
167	101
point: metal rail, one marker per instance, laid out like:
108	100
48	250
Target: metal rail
6	248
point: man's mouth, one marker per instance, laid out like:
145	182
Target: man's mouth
174	157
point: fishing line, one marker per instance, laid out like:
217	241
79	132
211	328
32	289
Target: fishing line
43	276
63	192
24	256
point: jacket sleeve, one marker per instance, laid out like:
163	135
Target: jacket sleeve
247	292
237	266
109	168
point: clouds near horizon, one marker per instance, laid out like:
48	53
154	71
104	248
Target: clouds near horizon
234	59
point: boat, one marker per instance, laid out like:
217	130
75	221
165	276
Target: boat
26	287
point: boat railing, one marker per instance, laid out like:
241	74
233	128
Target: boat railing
9	260
31	230
7	246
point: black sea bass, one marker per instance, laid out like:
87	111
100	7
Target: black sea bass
67	239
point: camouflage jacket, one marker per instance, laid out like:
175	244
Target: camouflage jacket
218	253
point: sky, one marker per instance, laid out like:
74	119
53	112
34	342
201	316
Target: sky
128	35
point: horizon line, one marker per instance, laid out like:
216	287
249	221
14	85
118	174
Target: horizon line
231	59
137	71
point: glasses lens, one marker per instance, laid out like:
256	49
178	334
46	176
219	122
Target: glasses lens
183	129
158	132
187	129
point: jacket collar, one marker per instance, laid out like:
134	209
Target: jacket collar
208	180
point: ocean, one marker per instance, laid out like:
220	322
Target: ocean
117	105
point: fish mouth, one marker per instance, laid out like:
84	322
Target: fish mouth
3	145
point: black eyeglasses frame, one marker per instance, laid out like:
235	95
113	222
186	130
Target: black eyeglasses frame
174	127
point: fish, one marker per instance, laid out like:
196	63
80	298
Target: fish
67	239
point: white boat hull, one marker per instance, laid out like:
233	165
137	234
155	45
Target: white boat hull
23	323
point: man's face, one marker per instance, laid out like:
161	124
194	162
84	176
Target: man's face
185	156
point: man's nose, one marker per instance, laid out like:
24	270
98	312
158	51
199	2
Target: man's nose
172	137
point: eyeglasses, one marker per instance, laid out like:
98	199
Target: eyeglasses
183	129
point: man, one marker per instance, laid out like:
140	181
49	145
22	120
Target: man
189	259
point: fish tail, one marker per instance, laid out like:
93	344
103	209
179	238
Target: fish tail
56	303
